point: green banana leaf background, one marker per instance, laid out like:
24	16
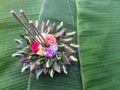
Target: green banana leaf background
97	23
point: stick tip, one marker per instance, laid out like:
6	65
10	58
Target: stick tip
30	22
21	11
12	11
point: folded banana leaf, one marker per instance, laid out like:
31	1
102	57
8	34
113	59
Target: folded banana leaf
96	23
11	78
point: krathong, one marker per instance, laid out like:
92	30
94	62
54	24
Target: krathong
44	50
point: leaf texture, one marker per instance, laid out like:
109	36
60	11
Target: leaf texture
11	77
56	11
99	38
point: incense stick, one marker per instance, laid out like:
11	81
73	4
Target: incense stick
36	31
24	15
22	23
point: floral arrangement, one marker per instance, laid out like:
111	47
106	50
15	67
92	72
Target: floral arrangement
46	50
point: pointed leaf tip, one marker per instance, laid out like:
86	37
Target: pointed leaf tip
74	45
64	69
71	33
38	73
51	72
73	58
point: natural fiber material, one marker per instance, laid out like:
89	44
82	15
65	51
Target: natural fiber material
46	49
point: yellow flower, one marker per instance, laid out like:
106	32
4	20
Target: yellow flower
40	50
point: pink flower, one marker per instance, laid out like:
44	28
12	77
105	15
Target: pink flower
34	46
50	39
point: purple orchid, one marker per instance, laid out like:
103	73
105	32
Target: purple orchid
54	47
48	52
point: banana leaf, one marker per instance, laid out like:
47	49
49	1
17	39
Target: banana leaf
98	26
56	11
10	75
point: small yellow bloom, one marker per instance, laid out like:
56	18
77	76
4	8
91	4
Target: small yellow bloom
40	50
